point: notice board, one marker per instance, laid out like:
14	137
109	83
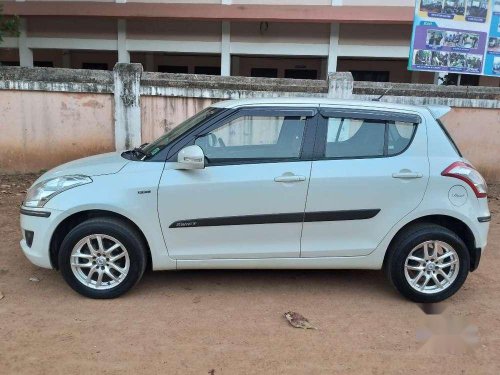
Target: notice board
456	36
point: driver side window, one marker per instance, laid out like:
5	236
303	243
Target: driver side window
254	137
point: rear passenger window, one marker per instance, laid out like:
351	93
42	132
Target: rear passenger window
362	138
354	138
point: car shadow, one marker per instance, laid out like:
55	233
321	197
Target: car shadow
359	283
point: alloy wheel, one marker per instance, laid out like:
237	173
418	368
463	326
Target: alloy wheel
100	261
431	267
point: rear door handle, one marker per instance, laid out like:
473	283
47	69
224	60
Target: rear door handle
289	178
408	175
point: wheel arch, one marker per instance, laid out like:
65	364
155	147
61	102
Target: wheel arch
457	226
76	218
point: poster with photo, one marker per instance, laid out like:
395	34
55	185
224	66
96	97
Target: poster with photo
492	58
456	36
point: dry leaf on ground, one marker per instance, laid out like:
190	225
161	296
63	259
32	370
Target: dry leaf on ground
298	321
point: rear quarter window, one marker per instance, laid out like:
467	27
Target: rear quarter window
399	136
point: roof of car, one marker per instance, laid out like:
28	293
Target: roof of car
316	102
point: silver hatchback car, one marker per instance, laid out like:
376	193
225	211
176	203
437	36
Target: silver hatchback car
269	183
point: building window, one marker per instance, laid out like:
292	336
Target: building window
469	80
209	70
264	72
95	66
9	63
366	75
451	79
172	69
301	73
43	64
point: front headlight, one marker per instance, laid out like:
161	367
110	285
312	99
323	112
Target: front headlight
42	192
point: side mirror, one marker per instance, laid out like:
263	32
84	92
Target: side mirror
191	157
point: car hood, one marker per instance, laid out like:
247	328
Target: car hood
96	165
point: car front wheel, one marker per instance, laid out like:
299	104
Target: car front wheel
102	258
428	263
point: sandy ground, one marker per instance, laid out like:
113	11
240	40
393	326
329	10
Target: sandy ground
231	322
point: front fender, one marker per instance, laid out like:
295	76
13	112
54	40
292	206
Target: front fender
132	193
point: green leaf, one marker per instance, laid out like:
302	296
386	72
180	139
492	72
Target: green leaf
8	26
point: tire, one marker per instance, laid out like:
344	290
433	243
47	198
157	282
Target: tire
399	267
118	276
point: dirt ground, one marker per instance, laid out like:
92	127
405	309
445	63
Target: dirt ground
231	322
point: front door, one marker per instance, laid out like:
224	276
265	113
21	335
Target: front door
248	202
371	170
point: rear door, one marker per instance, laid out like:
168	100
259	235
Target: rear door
370	170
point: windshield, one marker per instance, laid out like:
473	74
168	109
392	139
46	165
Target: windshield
154	147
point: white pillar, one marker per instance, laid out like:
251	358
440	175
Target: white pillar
340	85
25	54
333	48
225	56
127	78
123	54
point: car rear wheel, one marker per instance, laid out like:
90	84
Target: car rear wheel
428	263
102	258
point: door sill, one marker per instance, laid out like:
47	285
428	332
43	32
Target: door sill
352	262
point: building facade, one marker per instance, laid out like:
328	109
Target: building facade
260	38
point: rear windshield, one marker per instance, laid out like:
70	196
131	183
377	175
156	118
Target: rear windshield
452	142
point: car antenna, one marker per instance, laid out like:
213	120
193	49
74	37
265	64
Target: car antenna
381	96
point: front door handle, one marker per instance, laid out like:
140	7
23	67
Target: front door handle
289	178
408	175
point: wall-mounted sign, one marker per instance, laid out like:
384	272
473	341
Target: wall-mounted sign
456	36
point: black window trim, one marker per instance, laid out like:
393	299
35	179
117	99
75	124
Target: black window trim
307	147
393	117
385	150
370	115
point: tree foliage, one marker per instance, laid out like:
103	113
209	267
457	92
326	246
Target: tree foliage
8	26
